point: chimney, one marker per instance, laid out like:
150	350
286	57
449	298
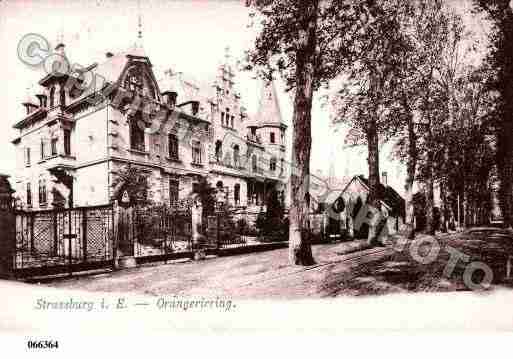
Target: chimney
109	54
384	179
42	100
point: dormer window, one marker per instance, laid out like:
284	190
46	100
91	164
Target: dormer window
136	134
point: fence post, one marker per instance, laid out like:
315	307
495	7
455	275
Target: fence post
197	237
115	234
218	241
8	243
126	229
84	233
55	235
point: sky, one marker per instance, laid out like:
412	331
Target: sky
187	36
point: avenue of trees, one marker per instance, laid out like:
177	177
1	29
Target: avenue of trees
407	71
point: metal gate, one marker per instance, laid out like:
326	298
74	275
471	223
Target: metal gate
162	231
61	240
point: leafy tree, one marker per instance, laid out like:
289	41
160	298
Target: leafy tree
207	195
299	40
367	100
133	180
272	220
500	60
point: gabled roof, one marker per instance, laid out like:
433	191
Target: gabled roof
387	195
112	68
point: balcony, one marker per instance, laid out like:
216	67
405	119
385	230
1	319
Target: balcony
253	138
58	162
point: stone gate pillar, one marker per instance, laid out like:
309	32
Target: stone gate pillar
197	236
7	229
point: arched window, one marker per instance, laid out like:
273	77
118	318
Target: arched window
236	156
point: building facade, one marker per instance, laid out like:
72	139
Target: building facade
91	134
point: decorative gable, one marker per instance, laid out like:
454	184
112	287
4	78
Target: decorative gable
139	79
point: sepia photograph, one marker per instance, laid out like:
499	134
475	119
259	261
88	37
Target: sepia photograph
255	165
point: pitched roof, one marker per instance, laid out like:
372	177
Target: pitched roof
268	109
112	67
388	195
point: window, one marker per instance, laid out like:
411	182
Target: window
173	191
227	117
196	152
27	156
42	191
253	131
219	150
195	187
52	96
54	146
254	163
29	194
232	121
282	166
272	164
42	149
236	156
67	142
173	146
236	193
136	135
222	118
272	137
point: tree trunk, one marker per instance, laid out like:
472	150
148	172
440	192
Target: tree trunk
410	178
373	161
505	171
430	210
443	206
300	251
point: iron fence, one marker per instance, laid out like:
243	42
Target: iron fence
63	238
162	230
